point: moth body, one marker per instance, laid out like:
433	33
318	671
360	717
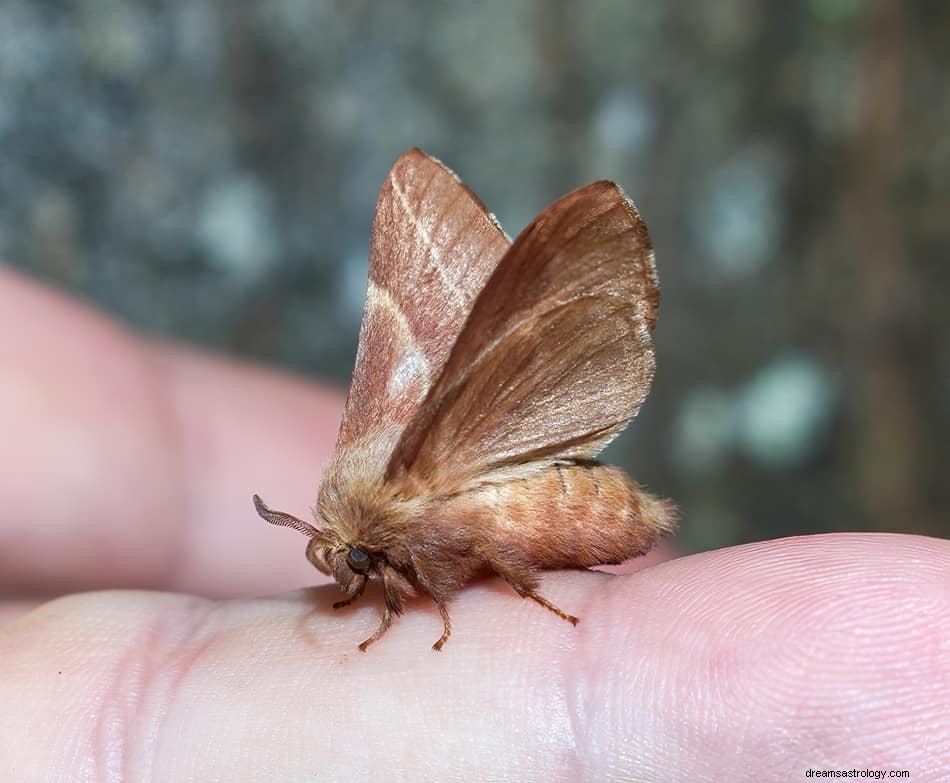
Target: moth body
489	374
573	515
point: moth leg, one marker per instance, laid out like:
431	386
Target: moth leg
548	605
352	598
446	626
383	627
528	591
395	591
525	583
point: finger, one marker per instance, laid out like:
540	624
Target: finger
133	464
754	663
665	550
15	607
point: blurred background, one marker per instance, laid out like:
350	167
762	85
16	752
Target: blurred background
207	171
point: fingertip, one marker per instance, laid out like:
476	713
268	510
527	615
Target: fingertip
795	638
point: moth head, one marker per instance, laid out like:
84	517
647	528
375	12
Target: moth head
349	564
338	558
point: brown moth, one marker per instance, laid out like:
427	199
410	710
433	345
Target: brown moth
489	374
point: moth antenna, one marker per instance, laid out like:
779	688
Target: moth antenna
282	519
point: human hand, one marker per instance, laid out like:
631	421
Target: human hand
131	464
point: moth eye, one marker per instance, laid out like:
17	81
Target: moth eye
357	559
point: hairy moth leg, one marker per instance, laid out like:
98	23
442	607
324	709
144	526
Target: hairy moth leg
441	596
446	626
395	592
352	598
377	634
525	584
527	592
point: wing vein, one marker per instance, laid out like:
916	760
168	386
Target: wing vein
433	257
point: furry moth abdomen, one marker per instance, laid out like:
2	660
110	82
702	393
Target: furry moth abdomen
568	516
489	374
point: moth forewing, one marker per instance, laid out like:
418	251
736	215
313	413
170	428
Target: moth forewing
488	378
557	352
433	247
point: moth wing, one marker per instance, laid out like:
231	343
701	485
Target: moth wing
433	247
557	354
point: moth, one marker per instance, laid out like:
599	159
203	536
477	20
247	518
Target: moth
489	374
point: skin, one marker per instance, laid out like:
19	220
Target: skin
750	663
